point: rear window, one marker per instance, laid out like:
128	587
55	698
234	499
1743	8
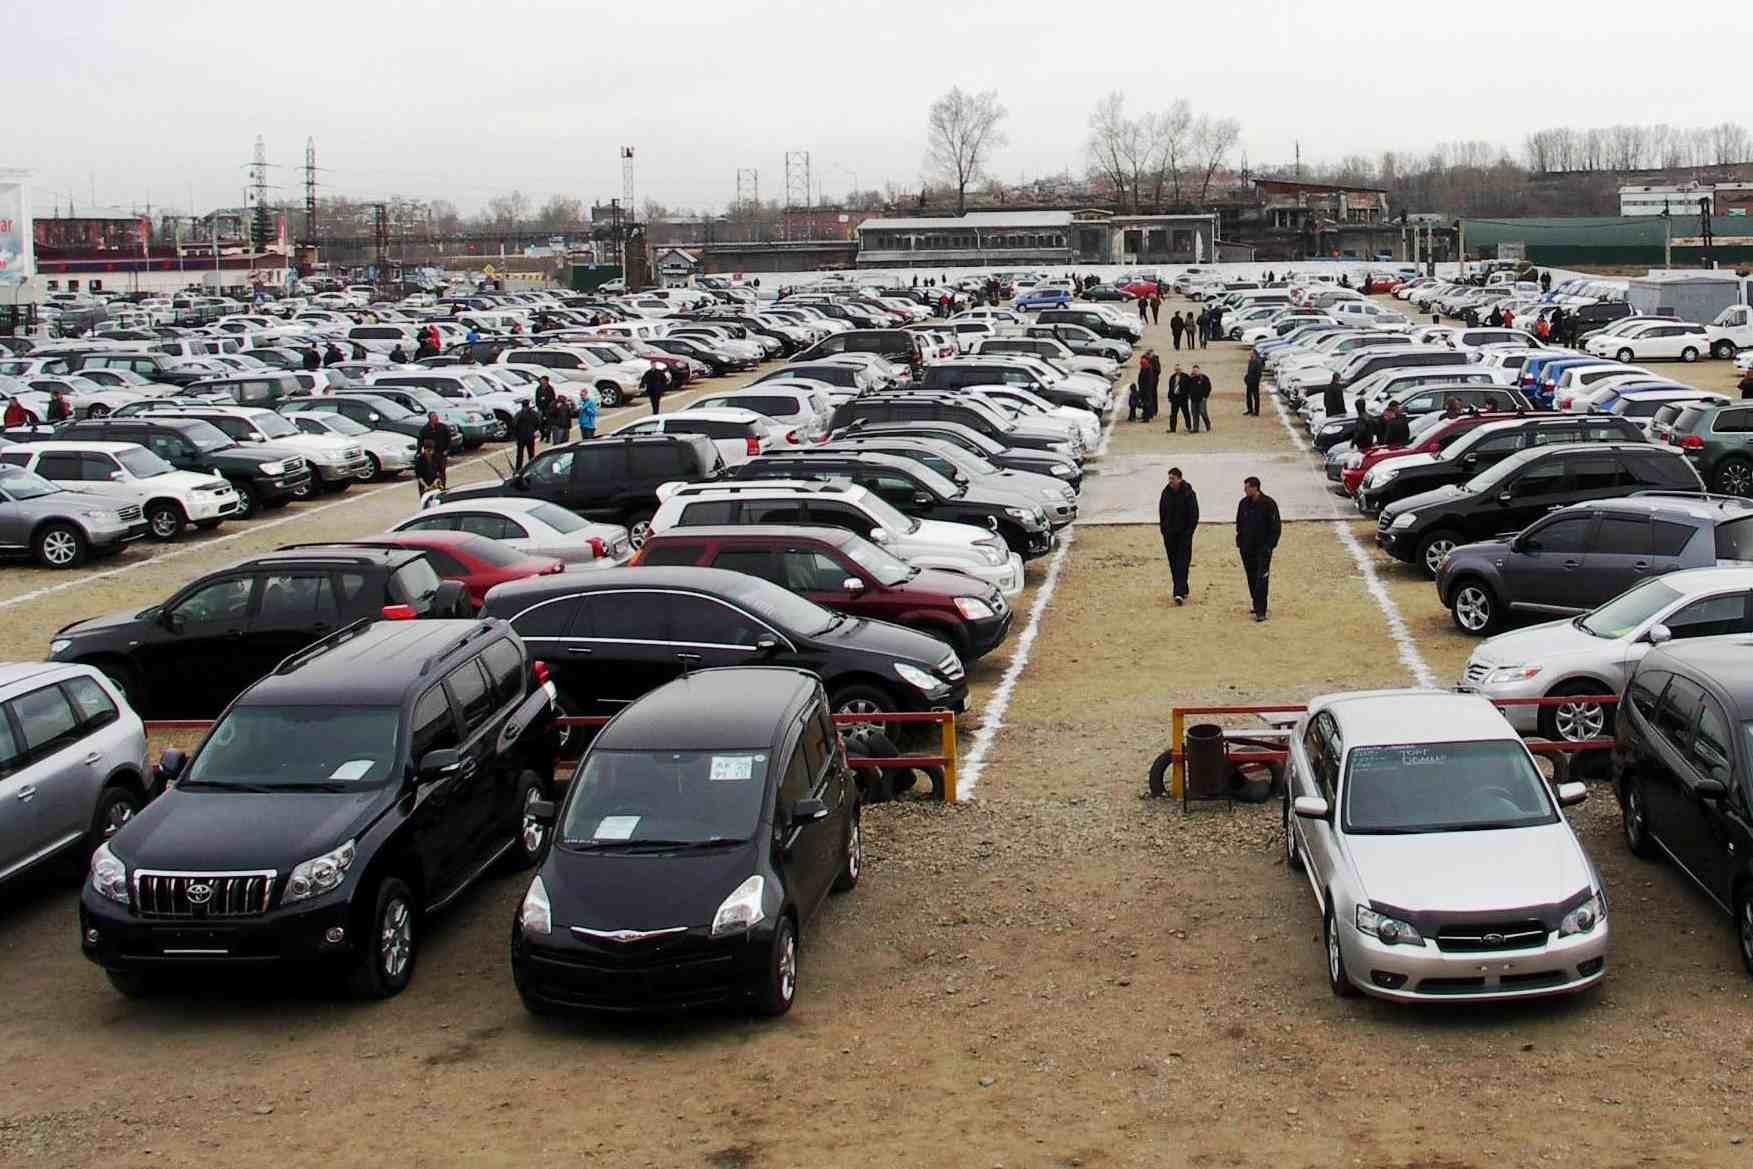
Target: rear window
414	584
556	517
1734	540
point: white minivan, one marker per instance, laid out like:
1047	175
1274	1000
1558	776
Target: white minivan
170	499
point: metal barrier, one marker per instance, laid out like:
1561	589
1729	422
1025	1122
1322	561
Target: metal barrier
945	720
1178	724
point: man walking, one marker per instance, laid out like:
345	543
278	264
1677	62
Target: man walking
1156	308
1144	310
1198	393
1257	532
654	383
1251	382
1150	373
1209	319
1176	325
1363	435
1178	400
1177	512
1333	398
524	425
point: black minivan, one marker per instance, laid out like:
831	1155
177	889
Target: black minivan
1424	529
698	836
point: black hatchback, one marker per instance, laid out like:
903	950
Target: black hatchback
698	836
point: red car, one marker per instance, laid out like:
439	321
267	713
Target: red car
679	368
476	561
1139	287
842	571
1439	436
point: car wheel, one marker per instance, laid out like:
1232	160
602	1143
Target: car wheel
115	807
389	947
852	864
1689	354
133	984
779	987
1735	477
1626	356
1744	924
373	467
248	506
1433	548
1723	350
1634	820
98	410
1338	981
165	520
639	529
609	394
1474	608
532	837
864	700
1293	857
59	546
1576	722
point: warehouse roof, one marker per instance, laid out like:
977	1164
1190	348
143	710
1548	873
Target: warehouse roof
995	220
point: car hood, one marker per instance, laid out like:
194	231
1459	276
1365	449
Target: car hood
940	534
1507	869
1540	644
478	491
1424	499
1406	462
885	640
643	890
101	623
209	831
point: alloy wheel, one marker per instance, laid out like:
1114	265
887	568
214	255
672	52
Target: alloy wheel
1577	721
531	833
1333	952
397	938
638	533
1433	555
1736	478
1289	837
855	850
1473	608
788	968
60	548
1634	823
119	813
165	523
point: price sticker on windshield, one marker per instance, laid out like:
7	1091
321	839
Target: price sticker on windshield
616	828
733	767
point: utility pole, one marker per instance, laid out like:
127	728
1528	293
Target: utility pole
1667	239
380	237
259	197
1704	210
310	193
629	213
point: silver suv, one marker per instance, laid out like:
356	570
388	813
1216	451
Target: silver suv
1437	853
72	763
61	528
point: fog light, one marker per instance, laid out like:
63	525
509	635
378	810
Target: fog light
1583	968
1387	979
334	935
91	937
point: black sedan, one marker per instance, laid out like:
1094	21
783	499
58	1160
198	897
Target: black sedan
698	836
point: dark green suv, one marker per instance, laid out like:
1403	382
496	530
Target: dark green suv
1718	441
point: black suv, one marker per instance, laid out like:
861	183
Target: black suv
913	489
614	479
254	389
897	345
1581	556
364	783
1424	529
1684	771
263	476
1481	448
614	634
1098	323
950	376
192	654
947	407
154	367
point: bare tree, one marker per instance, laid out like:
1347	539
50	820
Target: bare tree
1213	139
1173	137
1112	146
962	132
508	210
560	212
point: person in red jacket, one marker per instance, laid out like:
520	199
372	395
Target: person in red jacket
17	415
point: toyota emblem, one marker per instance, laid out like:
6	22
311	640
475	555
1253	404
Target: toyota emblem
1493	939
200	894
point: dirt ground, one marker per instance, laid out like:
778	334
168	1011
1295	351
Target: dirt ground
1062	972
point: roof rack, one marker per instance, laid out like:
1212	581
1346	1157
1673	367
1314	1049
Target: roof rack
363	543
478	629
321	646
1702	496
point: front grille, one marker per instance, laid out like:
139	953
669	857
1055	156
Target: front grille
199	896
130	514
1476	673
1382	522
1490	936
951	668
294	466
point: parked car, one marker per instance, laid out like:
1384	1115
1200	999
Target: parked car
1092	318
1440	860
387	454
608	479
1717	439
1681	767
1053	464
1424	529
739	434
204	644
1646	342
476	424
72	764
475	562
898	345
953	406
59	528
1577	557
336	463
534	527
945	458
373	413
382	769
169	499
1595	653
844	572
262	476
729	791
801	413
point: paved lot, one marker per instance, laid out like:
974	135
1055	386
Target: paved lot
1060	973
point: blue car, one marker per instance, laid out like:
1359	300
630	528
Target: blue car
1042	298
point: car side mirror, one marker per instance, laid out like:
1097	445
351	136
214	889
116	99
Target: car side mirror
1659	635
1504	497
1312	808
852	584
441	764
543	811
878	536
170	620
118	476
170	766
922	499
1707	789
808	811
766	644
1571	794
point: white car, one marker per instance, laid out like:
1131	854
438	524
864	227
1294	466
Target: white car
336	463
387	454
615	384
1577	384
1081	427
88	398
739	435
534	526
965	548
169	499
802	412
1048	350
1665	339
386	338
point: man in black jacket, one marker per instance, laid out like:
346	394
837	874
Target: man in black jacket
1363	435
654	383
524	426
436	433
1150	372
1251	382
1396	428
1177	391
1199	394
312	359
1333	397
1177	514
1257	532
1176	325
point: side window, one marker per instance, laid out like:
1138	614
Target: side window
1734	540
1711	751
504	667
1710	617
1645	690
435	727
468	686
95	707
672	554
437	523
688	618
95	468
551	469
61	467
709	511
1537	479
807	571
166	446
1660	470
548	619
818	747
837	515
759	562
597	463
1552	435
660	460
1733	422
1569	534
223	600
295	597
1670	539
494	527
1677	711
795	785
773	511
46	719
1624	536
1332	750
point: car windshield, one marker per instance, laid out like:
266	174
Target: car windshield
887	517
887	568
1443	787
557	517
278	748
20	484
1629	610
274	426
341	424
205	435
1488	479
653	799
143	464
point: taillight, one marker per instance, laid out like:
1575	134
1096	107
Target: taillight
791	437
539	672
399	613
597	548
1691	442
634	560
754	445
557	567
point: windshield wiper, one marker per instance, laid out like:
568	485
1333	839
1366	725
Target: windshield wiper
605	845
215	785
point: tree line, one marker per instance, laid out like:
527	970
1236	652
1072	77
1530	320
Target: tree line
1657	146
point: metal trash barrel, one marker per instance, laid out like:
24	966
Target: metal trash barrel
1208	771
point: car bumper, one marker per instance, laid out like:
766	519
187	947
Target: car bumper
1400	544
211	506
343	472
282	486
105	539
665	974
988	634
1061	514
1007	578
1525	719
1428	974
125	941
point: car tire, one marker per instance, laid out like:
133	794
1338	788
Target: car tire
1689	354
638	529
1734	476
779	985
1626	356
1433	548
1744	924
1338	981
59	546
1577	722
132	984
373	467
609	395
165	520
116	805
1634	820
1293	856
852	863
1723	350
249	505
98	410
864	700
1474	608
532	838
390	947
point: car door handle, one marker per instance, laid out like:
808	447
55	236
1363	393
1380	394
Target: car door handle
94	757
1640	565
27	793
688	657
1572	563
578	649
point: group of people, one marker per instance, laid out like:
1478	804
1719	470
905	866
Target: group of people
1189	394
1258	529
549	417
20	415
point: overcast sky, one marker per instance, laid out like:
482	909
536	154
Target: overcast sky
464	100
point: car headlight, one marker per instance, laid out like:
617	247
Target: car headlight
535	916
98	514
1405	520
274	468
1390	931
1019	513
109	876
1061	471
741	911
1332	428
973	608
59	646
319	874
1584	917
994	555
1504	674
917	678
1353	460
1386	474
